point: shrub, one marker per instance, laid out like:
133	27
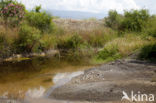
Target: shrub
4	3
113	20
28	39
40	20
70	47
12	12
151	27
48	42
73	42
148	52
111	52
135	20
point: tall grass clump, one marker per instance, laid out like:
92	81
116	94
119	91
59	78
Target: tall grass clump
97	38
7	38
122	47
4	46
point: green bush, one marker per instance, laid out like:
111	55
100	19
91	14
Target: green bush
40	20
135	20
28	39
109	53
148	52
48	42
151	27
70	47
113	20
73	42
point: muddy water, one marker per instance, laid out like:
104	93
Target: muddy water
41	95
20	77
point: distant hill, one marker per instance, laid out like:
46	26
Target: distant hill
76	14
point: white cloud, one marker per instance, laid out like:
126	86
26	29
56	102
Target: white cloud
147	4
82	5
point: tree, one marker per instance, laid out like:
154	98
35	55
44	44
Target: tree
37	9
135	20
113	20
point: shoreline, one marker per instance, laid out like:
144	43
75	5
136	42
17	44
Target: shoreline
21	57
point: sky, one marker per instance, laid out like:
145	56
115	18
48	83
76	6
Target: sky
93	6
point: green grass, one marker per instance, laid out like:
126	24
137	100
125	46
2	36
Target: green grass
148	52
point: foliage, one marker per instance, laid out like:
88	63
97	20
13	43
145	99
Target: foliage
135	20
40	20
70	47
122	47
5	46
12	12
148	52
4	3
48	42
151	27
111	52
98	37
113	20
73	42
37	8
28	39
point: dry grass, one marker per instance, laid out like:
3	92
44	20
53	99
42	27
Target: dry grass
128	44
78	25
9	33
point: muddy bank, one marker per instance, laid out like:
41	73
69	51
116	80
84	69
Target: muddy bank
107	82
20	57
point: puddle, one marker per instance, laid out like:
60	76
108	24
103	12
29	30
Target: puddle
36	72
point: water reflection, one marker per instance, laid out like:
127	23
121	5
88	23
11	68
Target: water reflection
20	76
32	95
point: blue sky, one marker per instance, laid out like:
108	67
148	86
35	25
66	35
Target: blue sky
94	6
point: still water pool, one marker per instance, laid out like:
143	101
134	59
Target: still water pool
17	77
